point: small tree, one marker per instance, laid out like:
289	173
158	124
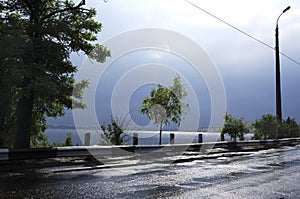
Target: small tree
165	105
235	128
114	133
68	141
265	127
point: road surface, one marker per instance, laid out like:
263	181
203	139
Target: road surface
272	173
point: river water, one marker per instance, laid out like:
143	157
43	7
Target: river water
145	137
273	173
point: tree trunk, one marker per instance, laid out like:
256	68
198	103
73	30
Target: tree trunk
24	121
222	137
160	132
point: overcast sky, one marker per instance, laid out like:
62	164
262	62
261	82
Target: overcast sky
247	67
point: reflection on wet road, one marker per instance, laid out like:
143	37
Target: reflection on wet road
273	173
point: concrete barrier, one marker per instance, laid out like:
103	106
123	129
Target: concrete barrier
135	139
23	154
81	151
87	139
172	138
200	138
4	154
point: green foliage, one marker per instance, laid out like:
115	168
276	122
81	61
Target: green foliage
36	75
158	106
39	140
68	141
99	53
265	127
235	128
114	133
290	128
78	93
165	104
56	144
42	141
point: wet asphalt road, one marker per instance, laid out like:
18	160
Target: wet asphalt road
273	173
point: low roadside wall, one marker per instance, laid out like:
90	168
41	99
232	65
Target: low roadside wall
81	151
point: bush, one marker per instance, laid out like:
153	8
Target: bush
114	133
68	141
235	128
290	128
265	127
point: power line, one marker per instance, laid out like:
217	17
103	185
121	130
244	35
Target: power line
241	31
291	59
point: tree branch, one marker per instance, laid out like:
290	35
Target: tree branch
29	6
63	10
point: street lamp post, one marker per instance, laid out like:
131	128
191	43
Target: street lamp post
278	86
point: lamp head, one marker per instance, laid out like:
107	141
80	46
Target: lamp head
287	8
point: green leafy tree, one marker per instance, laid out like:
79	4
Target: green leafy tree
165	105
36	75
235	128
114	133
265	127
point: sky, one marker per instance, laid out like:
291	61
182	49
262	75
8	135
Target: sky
239	72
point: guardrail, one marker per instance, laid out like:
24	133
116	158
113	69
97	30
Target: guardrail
81	151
